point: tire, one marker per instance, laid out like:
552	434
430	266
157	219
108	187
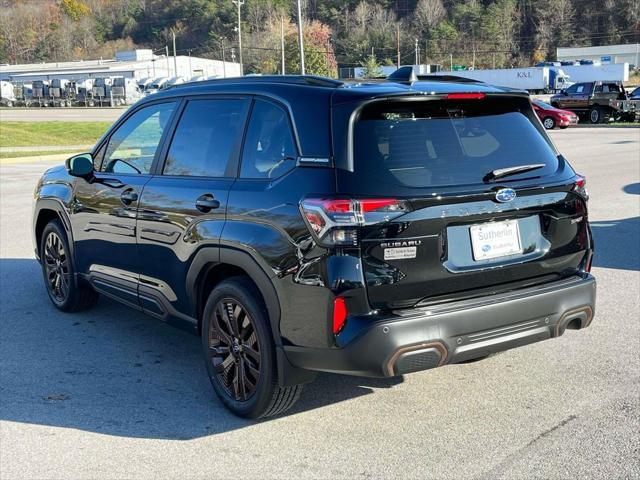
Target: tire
58	272
549	123
239	352
596	115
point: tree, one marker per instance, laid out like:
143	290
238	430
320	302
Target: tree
74	9
429	13
371	67
319	56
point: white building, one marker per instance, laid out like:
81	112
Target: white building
629	53
136	64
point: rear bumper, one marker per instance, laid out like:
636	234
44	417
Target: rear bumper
423	338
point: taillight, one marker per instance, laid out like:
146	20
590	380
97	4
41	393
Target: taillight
588	261
580	186
335	221
339	314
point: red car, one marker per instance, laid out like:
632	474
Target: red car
552	117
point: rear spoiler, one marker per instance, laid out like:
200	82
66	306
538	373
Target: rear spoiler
407	75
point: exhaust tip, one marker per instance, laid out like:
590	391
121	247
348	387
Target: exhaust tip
575	319
416	358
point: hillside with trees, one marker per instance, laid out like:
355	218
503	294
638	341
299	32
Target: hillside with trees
480	33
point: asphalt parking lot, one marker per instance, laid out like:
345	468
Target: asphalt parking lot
111	393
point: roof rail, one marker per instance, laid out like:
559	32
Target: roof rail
448	78
310	80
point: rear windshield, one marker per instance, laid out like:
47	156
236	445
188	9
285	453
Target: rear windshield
445	142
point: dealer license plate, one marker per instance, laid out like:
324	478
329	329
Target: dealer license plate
494	240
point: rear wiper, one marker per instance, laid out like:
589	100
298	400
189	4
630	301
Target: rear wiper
506	172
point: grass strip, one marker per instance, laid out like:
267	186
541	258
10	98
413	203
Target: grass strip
29	134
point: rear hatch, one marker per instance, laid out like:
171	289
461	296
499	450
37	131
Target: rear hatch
458	219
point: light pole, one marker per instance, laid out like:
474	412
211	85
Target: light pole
175	59
224	60
282	45
239	3
300	39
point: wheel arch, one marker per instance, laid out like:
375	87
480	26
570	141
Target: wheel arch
45	211
213	265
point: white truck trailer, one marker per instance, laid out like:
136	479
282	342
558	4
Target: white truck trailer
613	72
533	79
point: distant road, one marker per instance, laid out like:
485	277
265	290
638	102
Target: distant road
48	114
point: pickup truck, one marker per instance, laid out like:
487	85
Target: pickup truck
600	100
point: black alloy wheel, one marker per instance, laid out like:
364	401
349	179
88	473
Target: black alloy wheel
234	349
57	268
65	291
239	351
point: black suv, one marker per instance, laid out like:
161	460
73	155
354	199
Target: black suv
300	224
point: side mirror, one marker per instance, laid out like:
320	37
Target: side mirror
80	165
563	91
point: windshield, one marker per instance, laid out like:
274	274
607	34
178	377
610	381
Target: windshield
544	106
443	143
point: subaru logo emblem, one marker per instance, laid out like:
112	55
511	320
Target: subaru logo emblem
505	195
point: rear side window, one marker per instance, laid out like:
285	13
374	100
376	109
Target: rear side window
424	144
269	149
206	138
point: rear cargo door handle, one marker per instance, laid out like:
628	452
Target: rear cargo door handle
206	203
128	196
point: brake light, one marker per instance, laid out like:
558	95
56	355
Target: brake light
465	96
580	186
339	315
335	221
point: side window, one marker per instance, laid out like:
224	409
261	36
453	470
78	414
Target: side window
207	137
573	88
269	148
133	145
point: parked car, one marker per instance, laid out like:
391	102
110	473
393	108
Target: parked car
592	98
552	117
635	94
399	228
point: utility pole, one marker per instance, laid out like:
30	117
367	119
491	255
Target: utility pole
175	59
300	39
451	61
416	60
190	67
239	3
398	44
166	54
282	44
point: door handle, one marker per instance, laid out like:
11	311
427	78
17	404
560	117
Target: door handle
128	196
206	203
